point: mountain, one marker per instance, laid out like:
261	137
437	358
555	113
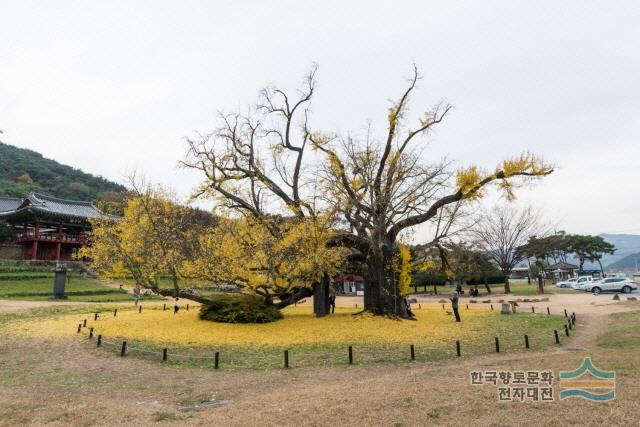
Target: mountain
630	263
23	170
626	244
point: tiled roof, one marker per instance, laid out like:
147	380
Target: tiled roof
9	204
562	266
47	206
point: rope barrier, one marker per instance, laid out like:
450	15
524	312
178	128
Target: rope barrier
357	353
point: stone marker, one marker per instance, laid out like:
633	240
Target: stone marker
506	308
59	281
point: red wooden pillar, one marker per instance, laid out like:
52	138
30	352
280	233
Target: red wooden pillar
59	245
34	249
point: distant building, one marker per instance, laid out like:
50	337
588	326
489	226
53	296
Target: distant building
348	284
561	270
48	228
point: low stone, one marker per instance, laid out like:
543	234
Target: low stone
203	405
472	301
506	308
616	297
487	301
632	299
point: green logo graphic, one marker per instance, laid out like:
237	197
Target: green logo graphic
588	382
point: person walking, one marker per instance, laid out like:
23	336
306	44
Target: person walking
176	306
454	306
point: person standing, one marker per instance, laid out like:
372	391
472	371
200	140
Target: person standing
136	295
332	299
176	306
454	306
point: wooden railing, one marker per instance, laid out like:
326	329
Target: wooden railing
79	239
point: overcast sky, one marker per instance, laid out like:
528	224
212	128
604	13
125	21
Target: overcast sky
114	86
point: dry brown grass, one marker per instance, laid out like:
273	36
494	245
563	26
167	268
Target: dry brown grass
66	382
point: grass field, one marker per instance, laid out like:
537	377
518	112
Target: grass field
311	341
77	289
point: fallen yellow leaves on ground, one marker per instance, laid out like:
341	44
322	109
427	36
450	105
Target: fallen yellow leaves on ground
299	327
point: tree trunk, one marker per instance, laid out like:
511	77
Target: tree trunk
601	269
507	288
382	295
540	284
486	284
321	296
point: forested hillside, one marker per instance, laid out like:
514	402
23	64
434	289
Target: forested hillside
24	170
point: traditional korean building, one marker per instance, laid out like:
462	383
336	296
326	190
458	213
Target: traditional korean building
48	228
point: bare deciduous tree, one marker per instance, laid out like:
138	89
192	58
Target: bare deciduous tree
503	231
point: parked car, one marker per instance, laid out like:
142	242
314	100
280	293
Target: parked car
567	283
609	284
574	282
582	281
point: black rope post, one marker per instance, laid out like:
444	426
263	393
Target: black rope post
350	355
443	306
555	332
115	312
526	341
216	360
419	306
286	359
90	333
548	311
491	307
566	330
574	316
187	307
84	323
497	345
569	324
565	313
356	305
413	352
533	309
79	327
467	306
95	316
123	350
458	348
164	306
164	354
99	343
140	309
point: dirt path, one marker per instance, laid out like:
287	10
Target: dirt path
14	306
